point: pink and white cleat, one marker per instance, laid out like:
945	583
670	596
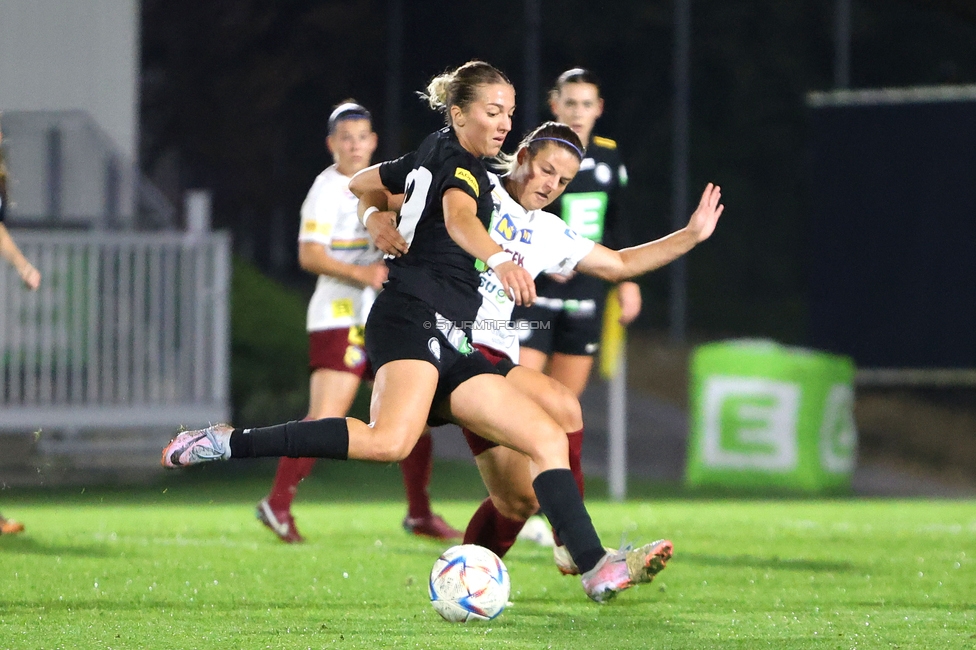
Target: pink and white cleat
620	570
199	446
564	561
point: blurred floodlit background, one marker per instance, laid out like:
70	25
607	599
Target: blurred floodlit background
159	152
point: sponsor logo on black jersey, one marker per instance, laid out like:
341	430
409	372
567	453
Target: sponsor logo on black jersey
468	178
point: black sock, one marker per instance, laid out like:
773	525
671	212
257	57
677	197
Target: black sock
560	500
325	438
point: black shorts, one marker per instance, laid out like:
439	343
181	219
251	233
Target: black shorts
401	326
566	318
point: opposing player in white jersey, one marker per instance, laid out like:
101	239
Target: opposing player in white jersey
540	242
333	244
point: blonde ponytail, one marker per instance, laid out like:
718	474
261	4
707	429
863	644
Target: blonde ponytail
438	91
459	87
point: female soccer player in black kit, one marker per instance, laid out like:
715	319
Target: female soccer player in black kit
572	309
590	206
418	332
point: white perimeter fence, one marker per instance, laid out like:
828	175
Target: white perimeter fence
127	330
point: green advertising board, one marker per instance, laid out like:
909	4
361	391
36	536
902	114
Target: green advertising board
767	416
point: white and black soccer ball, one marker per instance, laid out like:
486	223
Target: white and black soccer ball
469	582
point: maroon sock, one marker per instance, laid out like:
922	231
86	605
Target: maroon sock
491	529
416	469
575	465
290	473
576	457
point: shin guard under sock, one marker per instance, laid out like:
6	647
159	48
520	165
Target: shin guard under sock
325	438
562	504
575	440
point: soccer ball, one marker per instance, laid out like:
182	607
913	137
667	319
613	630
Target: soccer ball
469	582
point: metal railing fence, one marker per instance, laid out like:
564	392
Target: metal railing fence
127	330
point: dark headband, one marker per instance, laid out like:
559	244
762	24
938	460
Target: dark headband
577	75
565	142
347	111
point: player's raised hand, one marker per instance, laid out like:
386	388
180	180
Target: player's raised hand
517	282
705	217
383	231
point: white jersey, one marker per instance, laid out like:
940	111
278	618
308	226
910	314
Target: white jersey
329	217
539	242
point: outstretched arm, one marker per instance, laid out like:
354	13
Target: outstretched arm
617	266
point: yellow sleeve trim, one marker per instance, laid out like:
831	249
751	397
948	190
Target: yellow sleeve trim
468	178
606	143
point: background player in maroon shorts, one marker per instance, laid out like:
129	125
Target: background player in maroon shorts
335	246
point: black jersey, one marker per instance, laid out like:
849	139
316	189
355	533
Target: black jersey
435	269
3	206
591	203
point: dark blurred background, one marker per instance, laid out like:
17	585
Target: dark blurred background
235	96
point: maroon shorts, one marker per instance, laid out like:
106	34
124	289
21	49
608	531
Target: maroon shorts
340	349
476	443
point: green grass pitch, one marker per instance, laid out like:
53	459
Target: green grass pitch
183	564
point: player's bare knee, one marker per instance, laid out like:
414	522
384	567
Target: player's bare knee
550	444
563	407
516	506
524	505
391	444
570	412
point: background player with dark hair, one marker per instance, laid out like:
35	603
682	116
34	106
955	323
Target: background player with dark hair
334	245
591	206
572	308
